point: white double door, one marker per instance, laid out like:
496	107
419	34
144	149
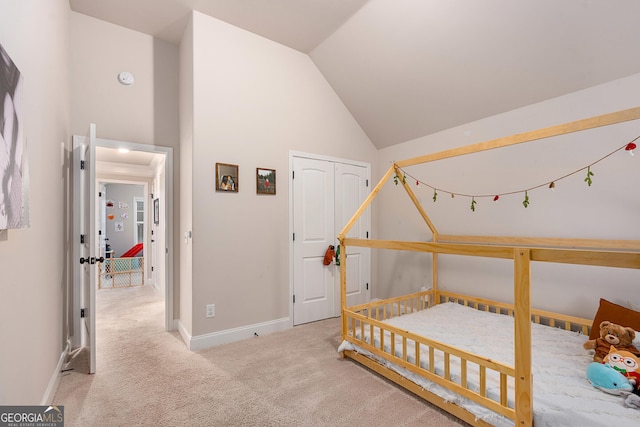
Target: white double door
326	194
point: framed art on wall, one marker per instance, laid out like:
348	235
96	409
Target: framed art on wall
265	181
226	177
14	183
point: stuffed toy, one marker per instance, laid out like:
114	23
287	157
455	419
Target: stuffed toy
607	379
329	255
628	365
612	334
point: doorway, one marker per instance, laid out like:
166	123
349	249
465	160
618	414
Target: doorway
325	194
157	177
119	162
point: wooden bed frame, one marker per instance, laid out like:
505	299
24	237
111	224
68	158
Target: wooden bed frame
522	250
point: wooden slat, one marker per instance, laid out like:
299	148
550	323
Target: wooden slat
442	248
343	287
504	395
366	203
522	341
483	381
416	203
447	367
577	126
565	256
543	241
586	257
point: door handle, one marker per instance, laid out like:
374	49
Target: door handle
91	260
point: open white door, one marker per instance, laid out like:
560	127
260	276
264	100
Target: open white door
85	244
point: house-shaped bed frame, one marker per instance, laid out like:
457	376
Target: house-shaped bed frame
522	250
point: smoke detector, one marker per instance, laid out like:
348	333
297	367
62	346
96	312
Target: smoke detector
126	78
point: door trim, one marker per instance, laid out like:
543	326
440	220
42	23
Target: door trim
293	154
170	325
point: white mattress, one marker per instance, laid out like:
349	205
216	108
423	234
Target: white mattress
562	394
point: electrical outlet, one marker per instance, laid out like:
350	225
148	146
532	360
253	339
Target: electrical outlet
211	310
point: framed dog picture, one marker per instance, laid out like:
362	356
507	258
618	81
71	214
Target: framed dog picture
226	177
265	181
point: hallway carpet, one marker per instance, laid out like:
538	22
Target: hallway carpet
147	377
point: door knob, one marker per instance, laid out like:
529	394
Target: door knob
91	260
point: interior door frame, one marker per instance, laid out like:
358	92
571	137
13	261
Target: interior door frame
170	325
292	155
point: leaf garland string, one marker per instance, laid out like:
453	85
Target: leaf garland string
550	184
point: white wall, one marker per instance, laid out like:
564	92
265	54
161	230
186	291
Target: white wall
35	281
607	209
254	100
122	241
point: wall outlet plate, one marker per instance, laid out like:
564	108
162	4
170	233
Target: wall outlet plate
211	310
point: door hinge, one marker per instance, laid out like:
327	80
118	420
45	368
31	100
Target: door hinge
82	238
82	316
367	182
294	237
99	232
293	174
294	299
367	286
151	268
367	234
81	164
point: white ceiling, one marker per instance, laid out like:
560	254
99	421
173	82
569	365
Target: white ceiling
409	68
131	163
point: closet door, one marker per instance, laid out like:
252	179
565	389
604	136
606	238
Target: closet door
313	223
326	194
350	191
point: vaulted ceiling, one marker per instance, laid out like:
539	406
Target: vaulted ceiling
409	68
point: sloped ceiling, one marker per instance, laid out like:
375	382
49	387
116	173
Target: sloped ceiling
409	68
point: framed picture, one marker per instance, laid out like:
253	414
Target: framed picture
156	211
14	188
226	177
265	181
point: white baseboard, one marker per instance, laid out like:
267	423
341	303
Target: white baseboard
54	381
232	335
186	336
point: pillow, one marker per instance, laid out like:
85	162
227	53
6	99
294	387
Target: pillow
615	313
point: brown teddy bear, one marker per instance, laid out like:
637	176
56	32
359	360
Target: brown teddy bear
612	334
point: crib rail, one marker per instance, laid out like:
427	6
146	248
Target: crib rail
418	354
392	307
556	320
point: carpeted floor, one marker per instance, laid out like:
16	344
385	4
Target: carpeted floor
146	376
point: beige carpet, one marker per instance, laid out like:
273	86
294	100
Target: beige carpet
146	376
